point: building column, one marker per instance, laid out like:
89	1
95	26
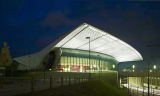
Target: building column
142	81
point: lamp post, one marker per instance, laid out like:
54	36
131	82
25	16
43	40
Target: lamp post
148	62
12	69
29	63
44	63
89	56
99	66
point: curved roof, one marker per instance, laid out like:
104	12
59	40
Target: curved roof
101	42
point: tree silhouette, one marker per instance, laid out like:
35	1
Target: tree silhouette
5	58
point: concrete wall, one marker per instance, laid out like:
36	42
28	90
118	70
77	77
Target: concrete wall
67	74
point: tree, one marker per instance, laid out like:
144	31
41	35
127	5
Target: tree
5	58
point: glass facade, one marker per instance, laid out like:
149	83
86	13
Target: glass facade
79	64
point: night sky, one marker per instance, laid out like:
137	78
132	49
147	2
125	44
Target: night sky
30	25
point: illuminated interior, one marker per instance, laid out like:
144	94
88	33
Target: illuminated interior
78	64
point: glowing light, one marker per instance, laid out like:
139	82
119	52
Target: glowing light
150	70
113	66
133	66
133	70
154	66
50	69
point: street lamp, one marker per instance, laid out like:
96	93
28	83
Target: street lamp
29	63
44	63
12	69
99	66
89	56
148	62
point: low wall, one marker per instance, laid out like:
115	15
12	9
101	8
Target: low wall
67	74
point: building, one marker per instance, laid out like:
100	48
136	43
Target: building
83	48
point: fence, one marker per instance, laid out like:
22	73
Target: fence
31	84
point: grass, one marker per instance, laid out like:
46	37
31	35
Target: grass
92	88
24	74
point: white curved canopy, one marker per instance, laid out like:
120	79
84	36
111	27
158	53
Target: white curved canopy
101	42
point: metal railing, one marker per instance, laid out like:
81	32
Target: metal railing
31	84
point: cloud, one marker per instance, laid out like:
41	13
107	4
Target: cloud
56	19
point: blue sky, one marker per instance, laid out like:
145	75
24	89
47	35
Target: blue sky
30	25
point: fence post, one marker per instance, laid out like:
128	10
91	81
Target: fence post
32	85
21	83
35	81
50	82
44	80
57	80
151	90
123	87
62	81
137	91
143	90
69	80
1	83
13	80
75	80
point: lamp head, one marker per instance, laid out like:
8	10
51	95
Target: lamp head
87	37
